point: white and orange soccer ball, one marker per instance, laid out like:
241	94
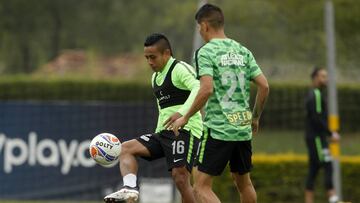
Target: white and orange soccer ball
105	149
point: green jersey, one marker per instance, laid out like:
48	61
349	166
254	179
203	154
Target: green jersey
232	67
183	77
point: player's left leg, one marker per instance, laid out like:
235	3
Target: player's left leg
240	166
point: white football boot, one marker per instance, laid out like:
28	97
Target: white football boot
126	195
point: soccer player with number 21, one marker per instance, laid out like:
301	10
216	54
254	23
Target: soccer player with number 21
226	69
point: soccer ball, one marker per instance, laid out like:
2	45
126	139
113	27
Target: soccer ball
105	149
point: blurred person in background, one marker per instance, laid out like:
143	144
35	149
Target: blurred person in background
316	136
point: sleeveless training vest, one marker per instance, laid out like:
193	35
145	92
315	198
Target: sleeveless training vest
167	94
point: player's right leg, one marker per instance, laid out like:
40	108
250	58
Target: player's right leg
147	147
331	193
328	174
203	188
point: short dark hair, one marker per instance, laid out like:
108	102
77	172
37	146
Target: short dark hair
211	14
315	71
160	40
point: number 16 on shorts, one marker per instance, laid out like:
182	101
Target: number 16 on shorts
178	147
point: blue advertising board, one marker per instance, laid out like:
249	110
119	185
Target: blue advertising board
44	147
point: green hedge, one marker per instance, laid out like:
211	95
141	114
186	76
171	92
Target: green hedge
284	182
73	90
284	110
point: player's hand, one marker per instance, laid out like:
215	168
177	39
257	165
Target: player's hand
335	137
178	124
171	120
255	126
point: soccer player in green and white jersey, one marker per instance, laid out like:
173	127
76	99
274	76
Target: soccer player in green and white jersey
226	69
175	87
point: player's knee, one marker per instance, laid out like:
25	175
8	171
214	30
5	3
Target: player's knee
126	149
181	177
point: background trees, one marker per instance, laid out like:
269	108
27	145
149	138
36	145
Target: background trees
280	33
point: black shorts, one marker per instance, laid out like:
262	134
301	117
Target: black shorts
215	154
179	150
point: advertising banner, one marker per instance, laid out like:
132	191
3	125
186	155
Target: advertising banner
44	147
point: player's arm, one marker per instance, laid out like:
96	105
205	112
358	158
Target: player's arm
205	91
261	82
187	80
261	96
204	66
183	77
